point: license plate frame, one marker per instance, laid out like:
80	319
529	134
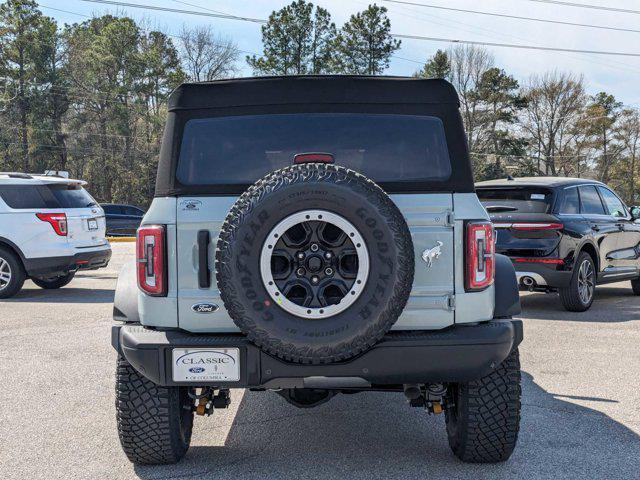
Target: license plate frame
205	364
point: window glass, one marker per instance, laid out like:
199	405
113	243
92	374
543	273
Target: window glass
570	202
241	149
518	199
132	211
27	196
614	205
45	196
71	196
590	201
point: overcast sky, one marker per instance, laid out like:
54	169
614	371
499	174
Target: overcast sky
614	74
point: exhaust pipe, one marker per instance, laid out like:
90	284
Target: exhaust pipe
528	282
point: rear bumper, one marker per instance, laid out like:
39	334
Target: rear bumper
457	354
52	266
543	275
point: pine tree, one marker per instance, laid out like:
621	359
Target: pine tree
296	40
365	43
438	66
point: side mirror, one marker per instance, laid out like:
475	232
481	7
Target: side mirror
635	212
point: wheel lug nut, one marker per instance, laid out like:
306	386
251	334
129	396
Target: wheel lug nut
314	247
300	272
328	255
300	256
314	279
328	271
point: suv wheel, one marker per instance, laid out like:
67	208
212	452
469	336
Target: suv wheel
55	282
635	286
578	296
483	418
154	422
12	274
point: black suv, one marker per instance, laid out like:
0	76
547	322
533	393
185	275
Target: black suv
567	234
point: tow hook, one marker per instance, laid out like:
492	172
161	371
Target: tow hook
430	397
208	400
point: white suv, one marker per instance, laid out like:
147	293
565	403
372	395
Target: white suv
50	227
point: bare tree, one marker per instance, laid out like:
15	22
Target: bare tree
207	55
628	134
468	65
555	105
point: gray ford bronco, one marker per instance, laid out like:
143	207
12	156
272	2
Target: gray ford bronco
312	236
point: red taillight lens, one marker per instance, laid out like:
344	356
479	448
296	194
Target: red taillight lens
57	220
550	261
537	226
480	255
313	158
150	257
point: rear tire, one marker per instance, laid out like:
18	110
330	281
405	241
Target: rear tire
635	286
573	297
12	274
484	420
154	422
54	283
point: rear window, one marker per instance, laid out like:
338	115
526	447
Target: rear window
240	150
45	196
521	200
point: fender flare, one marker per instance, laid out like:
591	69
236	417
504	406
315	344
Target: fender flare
507	296
125	303
14	247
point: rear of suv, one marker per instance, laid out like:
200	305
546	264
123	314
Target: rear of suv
50	227
313	236
564	234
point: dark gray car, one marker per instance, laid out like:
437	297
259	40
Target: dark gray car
122	219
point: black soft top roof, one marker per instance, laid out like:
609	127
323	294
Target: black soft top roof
314	94
314	89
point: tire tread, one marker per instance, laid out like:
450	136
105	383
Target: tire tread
148	418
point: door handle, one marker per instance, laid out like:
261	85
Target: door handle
204	275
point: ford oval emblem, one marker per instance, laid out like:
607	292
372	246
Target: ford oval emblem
205	308
196	369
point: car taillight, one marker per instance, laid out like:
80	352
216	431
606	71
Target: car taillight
537	226
150	258
57	220
480	255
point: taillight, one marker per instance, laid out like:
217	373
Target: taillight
480	255
529	226
313	158
57	220
537	226
150	257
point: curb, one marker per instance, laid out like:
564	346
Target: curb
121	239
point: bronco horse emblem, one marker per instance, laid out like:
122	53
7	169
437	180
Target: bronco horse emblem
431	254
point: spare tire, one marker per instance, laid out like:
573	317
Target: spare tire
314	263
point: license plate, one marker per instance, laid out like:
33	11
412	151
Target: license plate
206	364
93	224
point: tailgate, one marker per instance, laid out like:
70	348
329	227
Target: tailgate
428	217
86	227
526	234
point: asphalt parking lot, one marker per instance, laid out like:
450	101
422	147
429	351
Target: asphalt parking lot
580	418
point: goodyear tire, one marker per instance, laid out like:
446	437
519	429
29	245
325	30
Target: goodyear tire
314	263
